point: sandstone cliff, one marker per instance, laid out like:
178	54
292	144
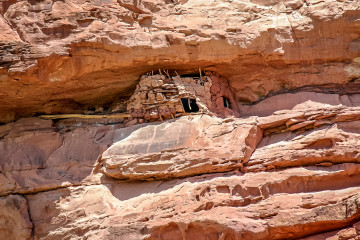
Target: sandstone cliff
196	119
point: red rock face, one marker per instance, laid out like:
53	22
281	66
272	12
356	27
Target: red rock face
64	56
273	151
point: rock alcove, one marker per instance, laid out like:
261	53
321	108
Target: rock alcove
261	143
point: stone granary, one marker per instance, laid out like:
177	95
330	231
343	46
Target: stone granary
159	97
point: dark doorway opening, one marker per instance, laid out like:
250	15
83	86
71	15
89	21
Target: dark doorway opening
189	105
226	102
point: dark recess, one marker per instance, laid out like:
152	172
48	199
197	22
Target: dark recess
189	105
226	102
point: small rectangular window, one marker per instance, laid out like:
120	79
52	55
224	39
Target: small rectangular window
189	105
226	102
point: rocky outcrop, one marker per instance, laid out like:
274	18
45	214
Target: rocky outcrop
276	205
38	156
189	119
347	233
206	177
185	147
14	218
67	56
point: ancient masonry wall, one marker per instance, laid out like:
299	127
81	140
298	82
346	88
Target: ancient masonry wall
160	97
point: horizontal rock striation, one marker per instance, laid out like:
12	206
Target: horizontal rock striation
67	56
205	177
290	204
223	120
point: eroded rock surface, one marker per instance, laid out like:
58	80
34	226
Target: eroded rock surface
188	146
14	218
37	155
255	177
268	205
98	49
269	147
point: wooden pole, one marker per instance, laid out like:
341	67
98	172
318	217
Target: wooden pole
167	73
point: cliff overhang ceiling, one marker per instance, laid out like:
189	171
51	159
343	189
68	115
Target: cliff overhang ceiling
69	56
